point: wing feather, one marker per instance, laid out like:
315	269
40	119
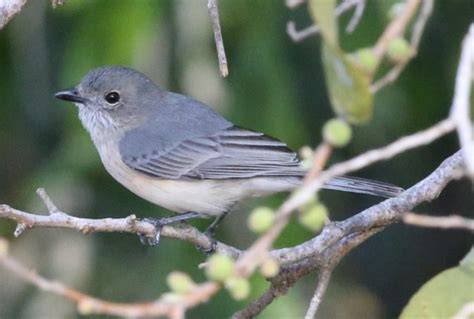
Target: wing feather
228	154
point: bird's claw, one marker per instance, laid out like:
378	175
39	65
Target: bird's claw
209	233
155	240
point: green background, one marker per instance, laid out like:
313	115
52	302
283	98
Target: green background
275	86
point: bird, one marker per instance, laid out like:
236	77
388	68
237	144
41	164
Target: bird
180	154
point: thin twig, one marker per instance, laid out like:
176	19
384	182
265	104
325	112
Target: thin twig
443	222
394	73
299	35
165	306
460	110
52	208
355	19
213	9
320	157
323	282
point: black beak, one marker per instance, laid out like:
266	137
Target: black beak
71	96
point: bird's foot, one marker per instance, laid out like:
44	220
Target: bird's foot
212	248
210	233
155	240
159	223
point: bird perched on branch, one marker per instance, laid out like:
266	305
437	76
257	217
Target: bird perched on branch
178	153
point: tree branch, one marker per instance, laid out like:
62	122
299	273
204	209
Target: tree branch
130	224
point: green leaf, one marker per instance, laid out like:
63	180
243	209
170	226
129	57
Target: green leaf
323	14
348	86
445	294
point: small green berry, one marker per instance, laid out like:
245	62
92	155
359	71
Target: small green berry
219	267
314	200
398	50
239	288
337	132
314	218
179	282
269	268
261	219
366	60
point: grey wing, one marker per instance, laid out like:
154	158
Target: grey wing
227	154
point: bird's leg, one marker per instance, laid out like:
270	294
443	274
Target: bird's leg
211	232
160	222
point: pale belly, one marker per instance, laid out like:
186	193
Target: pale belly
211	197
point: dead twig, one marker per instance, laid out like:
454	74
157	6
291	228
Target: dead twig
213	9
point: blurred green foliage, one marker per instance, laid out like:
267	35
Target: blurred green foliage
275	86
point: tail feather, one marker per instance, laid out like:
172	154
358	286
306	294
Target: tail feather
363	186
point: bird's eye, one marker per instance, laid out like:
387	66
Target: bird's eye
112	97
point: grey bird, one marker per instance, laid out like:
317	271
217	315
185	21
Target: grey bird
178	153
